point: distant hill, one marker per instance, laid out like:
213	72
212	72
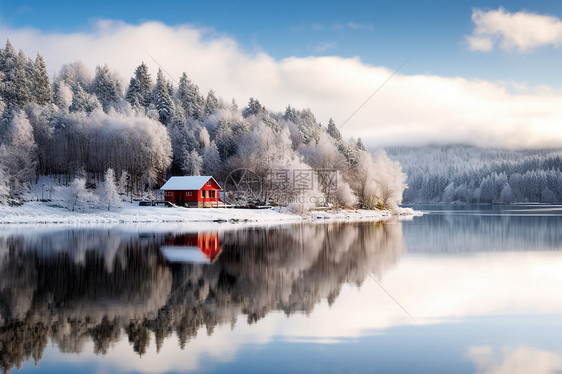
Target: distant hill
448	173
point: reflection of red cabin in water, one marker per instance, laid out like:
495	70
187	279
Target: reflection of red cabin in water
201	247
195	191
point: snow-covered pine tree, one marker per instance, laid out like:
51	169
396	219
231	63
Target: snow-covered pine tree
190	98
78	196
204	138
8	62
73	74
82	101
7	56
161	98
224	139
333	131
360	145
16	83
19	154
63	96
291	115
22	81
140	87
170	87
4	186
42	91
310	129
192	163
211	160
132	96
259	113
254	108
30	75
123	185
211	103
105	87
109	195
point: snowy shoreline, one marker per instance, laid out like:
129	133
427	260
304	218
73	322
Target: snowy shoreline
131	213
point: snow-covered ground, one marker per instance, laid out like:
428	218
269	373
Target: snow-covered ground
43	213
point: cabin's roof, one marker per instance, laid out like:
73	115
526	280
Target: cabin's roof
187	183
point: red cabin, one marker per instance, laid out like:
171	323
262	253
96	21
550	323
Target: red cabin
195	191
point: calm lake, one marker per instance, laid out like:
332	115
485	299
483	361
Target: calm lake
462	289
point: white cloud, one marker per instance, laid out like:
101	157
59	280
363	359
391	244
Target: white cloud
352	26
410	109
519	360
480	43
359	26
521	31
317	27
323	47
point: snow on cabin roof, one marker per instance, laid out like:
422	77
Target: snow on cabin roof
186	183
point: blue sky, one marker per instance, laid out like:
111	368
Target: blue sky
379	32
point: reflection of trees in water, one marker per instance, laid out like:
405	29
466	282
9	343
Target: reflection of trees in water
100	285
485	230
79	292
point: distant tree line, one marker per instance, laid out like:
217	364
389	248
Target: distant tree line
476	175
79	125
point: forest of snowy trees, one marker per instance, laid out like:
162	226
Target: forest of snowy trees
80	127
457	173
